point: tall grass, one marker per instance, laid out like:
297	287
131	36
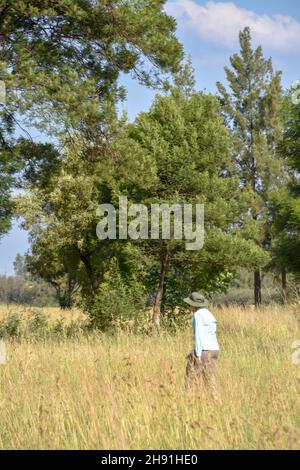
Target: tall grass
126	391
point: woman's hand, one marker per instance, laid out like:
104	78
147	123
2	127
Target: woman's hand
198	360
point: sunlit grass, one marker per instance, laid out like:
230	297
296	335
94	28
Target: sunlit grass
126	392
52	313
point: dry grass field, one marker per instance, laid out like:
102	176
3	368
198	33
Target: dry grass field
52	313
126	391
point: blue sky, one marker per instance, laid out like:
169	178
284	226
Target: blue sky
209	32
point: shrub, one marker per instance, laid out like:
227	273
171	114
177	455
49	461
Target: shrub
36	325
118	303
11	326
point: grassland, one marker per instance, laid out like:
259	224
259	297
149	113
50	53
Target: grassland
126	391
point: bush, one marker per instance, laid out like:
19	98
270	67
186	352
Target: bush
11	326
37	326
176	319
118	303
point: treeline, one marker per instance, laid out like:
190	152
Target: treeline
25	289
17	290
236	152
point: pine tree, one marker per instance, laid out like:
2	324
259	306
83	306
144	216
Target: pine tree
286	201
252	111
61	60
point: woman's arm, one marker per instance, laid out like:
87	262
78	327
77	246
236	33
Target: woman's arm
197	326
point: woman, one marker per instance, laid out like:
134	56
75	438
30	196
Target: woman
203	360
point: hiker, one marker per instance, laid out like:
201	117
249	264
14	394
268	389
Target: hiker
202	361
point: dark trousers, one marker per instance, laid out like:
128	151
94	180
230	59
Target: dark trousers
205	369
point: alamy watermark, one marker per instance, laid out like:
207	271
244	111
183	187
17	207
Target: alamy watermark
295	95
296	354
165	221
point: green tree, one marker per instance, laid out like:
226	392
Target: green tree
177	152
20	266
5	203
8	167
286	201
58	267
252	111
59	210
186	144
61	60
64	56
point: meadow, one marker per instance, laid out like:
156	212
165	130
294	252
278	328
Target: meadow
126	391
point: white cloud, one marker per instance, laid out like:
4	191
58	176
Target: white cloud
220	23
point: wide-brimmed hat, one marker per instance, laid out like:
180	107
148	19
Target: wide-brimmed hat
196	300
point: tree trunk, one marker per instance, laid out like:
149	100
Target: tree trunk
283	284
160	290
87	264
257	288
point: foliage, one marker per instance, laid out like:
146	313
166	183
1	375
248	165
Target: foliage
60	62
286	202
62	58
36	325
144	162
188	128
118	302
252	110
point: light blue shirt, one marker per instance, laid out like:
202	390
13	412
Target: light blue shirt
204	328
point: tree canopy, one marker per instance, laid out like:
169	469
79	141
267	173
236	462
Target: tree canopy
252	111
61	60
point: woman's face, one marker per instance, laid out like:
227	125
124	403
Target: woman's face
192	309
